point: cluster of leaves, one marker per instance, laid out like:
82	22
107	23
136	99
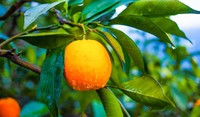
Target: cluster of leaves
67	21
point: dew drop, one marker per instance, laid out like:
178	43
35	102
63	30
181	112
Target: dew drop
88	86
74	83
173	47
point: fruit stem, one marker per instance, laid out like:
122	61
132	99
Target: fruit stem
84	31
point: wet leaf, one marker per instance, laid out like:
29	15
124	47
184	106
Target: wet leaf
100	6
130	47
169	26
108	10
47	40
157	8
51	79
110	103
33	13
142	23
115	44
83	99
146	90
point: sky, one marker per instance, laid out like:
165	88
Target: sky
190	24
188	21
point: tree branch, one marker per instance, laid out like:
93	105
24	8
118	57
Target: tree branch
17	60
13	8
61	20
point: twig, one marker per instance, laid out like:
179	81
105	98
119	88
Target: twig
15	57
17	60
13	8
61	20
10	39
51	27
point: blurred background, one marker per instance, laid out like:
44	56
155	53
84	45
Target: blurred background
176	68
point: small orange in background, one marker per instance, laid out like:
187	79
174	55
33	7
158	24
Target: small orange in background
9	107
87	65
197	103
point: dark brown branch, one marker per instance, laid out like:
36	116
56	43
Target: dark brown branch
13	25
17	60
13	8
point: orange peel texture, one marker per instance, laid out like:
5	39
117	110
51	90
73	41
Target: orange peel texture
87	65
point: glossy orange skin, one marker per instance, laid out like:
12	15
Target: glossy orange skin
9	107
87	65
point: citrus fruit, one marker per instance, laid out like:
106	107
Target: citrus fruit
197	103
87	65
9	107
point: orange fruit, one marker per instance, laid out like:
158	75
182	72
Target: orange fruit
9	107
87	65
197	103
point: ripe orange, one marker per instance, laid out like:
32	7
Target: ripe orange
87	65
9	107
197	103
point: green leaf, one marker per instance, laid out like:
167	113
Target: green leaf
98	5
110	103
114	78
105	17
157	8
115	44
33	13
77	32
76	17
108	9
130	47
47	40
63	7
142	23
146	90
85	98
51	79
74	2
169	26
34	109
